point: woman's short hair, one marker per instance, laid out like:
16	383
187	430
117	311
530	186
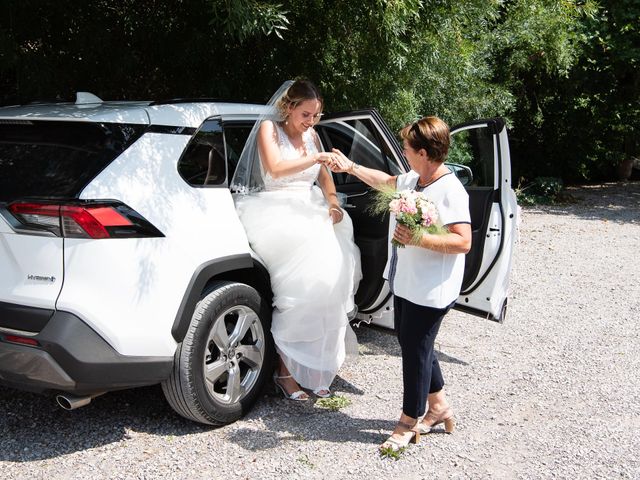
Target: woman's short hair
430	133
299	91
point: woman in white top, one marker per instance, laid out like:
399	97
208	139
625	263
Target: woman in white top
425	276
294	223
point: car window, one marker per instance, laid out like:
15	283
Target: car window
235	136
474	148
57	159
203	161
359	141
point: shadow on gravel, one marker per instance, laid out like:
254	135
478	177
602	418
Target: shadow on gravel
373	342
281	421
612	202
34	428
280	431
444	358
344	386
307	423
313	424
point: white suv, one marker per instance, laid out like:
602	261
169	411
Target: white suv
123	262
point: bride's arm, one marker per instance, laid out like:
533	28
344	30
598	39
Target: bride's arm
325	181
271	158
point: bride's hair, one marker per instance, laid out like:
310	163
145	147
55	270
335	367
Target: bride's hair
299	91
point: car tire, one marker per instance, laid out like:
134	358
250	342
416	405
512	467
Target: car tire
503	311
225	358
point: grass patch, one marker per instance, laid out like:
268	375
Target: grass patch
304	460
334	403
390	452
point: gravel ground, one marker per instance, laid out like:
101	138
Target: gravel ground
551	393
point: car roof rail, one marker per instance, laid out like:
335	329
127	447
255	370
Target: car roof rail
45	101
171	101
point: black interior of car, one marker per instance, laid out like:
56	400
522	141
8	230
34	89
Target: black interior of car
480	200
370	235
357	140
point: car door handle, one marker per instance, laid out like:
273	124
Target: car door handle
348	205
353	195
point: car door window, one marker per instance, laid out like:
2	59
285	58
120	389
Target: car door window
358	139
474	148
235	136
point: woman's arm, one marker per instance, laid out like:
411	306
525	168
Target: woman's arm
325	181
458	240
372	177
272	160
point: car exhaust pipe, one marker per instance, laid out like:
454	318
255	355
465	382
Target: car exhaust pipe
71	402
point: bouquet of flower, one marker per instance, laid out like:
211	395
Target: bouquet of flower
412	209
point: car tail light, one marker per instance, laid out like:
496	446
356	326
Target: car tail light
21	340
82	219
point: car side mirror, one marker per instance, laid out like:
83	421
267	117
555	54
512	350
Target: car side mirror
464	173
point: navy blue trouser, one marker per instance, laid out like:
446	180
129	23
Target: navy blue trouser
417	327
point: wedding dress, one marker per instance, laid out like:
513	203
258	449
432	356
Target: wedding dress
314	267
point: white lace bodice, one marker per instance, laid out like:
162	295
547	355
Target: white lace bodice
301	180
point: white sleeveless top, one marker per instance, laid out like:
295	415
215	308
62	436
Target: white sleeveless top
301	180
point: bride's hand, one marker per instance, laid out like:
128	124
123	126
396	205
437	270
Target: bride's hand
336	214
340	163
325	158
329	159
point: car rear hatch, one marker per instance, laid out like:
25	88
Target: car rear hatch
45	163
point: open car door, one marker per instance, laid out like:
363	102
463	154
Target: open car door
365	138
479	156
483	147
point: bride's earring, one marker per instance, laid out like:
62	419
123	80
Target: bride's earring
286	120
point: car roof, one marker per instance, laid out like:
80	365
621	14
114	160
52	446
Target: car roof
188	114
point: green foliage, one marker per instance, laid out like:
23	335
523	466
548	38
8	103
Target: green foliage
380	205
542	190
460	151
249	18
587	119
564	73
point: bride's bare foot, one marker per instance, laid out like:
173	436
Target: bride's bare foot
323	392
289	384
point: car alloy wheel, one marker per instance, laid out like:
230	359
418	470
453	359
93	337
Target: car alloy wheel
234	355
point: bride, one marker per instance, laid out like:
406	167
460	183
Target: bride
287	202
